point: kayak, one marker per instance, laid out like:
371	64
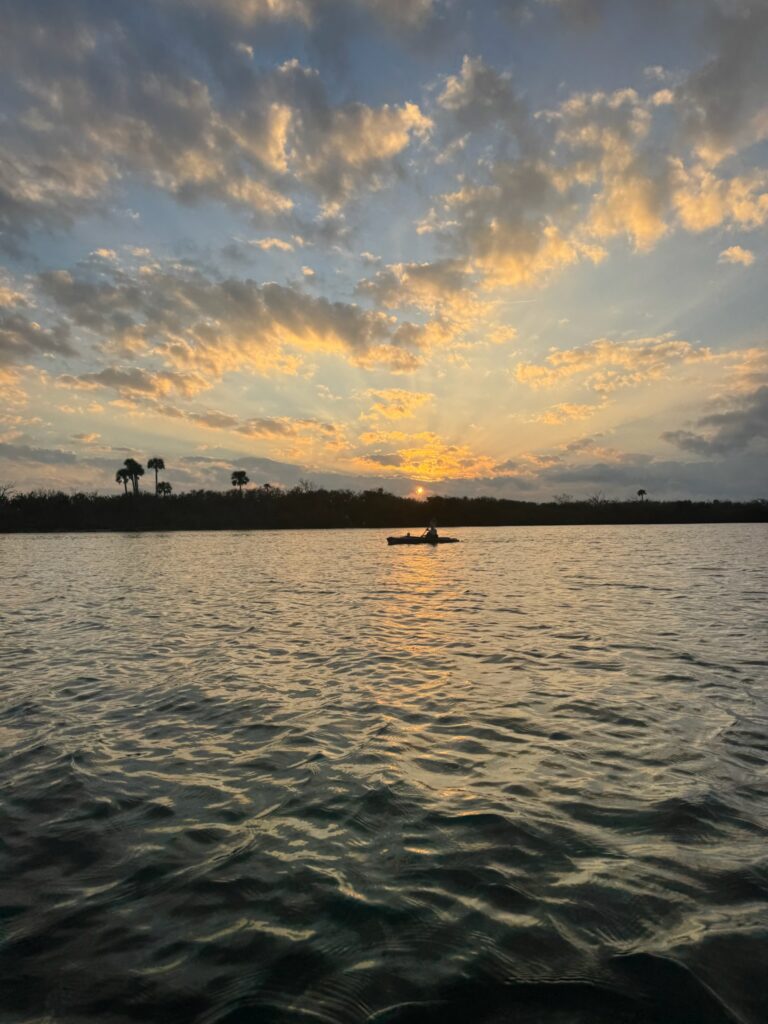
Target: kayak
422	540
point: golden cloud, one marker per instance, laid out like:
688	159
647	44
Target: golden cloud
396	403
506	263
630	204
703	201
203	328
272	243
606	365
736	254
564	412
423	456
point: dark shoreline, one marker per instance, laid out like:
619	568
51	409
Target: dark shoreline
308	509
97	531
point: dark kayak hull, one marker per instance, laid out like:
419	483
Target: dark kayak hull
422	540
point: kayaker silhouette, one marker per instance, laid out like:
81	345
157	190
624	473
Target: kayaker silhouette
429	536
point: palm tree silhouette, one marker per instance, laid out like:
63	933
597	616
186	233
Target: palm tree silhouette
163	488
134	470
239	479
641	494
122	476
157	464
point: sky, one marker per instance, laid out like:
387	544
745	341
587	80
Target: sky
504	247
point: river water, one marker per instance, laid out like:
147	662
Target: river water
302	776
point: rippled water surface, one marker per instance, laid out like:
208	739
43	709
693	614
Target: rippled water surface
300	776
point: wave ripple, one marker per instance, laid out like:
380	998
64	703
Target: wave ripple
301	776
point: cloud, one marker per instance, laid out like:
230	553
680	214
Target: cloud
479	96
632	203
421	456
735	254
22	339
109	102
145	397
12	392
593	169
135	382
443	289
605	366
514	228
396	404
390	460
29	453
565	412
272	243
735	477
248	12
727	432
703	201
265	427
656	72
747	370
201	327
10	295
601	135
723	103
178	117
643	188
348	148
395	13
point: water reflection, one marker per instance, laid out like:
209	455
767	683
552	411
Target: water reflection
515	776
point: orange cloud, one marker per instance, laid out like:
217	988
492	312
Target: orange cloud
423	456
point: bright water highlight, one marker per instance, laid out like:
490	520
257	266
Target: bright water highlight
302	776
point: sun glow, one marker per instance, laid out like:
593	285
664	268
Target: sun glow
415	298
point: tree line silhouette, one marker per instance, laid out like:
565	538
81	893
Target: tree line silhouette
131	472
308	507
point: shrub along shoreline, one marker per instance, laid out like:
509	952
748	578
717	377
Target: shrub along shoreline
271	508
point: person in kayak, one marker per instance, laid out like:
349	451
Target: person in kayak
431	531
